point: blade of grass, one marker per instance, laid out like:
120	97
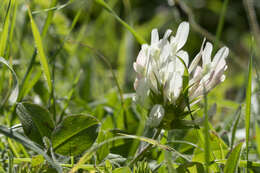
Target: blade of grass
248	106
10	39
128	27
233	159
257	135
30	84
42	57
28	71
234	127
5	32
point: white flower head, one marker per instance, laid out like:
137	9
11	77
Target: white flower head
210	74
158	67
163	69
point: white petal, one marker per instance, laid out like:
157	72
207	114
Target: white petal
164	41
197	58
138	68
198	71
184	56
175	85
167	34
142	57
154	36
222	53
221	65
165	53
197	75
179	67
182	35
206	54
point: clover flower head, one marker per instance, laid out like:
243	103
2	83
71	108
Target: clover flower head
158	67
163	69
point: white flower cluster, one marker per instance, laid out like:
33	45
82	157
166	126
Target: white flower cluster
160	67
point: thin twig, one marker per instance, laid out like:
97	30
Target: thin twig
251	14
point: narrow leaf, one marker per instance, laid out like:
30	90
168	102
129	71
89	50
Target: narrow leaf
248	105
4	34
234	126
257	135
233	159
41	54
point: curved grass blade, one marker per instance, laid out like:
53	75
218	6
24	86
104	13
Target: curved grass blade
128	27
233	159
248	105
257	135
15	89
234	127
38	42
29	144
4	34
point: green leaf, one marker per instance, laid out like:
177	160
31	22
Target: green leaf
29	144
75	134
15	89
4	34
248	105
122	170
36	121
41	54
233	159
257	135
234	126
